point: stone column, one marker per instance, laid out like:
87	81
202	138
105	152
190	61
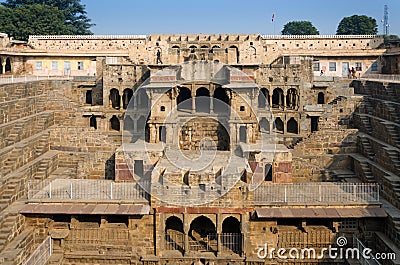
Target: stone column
135	126
285	125
284	101
232	134
161	242
270	101
3	67
244	229
193	102
219	231
186	234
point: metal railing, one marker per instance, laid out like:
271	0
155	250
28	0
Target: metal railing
174	241
42	253
99	236
317	193
21	79
362	260
320	36
381	77
81	190
298	239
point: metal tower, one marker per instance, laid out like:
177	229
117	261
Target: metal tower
386	21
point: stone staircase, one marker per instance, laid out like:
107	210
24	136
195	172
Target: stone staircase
394	134
368	176
367	149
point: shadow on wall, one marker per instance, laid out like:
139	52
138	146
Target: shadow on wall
109	168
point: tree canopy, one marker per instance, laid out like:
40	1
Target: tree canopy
21	18
357	25
299	28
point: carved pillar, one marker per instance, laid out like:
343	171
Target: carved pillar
186	234
193	102
219	231
3	67
270	101
284	101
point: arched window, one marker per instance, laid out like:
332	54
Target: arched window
174	235
221	101
115	98
200	228
114	123
8	65
93	122
277	98
279	125
264	125
203	100
291	98
126	97
183	100
292	126
263	98
231	236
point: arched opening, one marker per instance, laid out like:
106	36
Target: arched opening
183	100
143	99
223	138
174	235
88	97
115	124
231	237
291	98
126	97
264	125
321	98
292	126
141	125
231	225
243	134
202	231
129	125
277	98
221	101
93	122
214	47
162	134
115	99
279	125
314	124
8	65
203	100
236	53
268	172
263	98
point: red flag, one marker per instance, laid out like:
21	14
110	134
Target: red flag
273	16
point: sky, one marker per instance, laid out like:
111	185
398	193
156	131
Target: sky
230	16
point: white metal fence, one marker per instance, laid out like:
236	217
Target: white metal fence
20	79
80	189
41	254
362	260
318	193
381	77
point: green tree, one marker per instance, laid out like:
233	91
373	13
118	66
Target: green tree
74	12
299	28
357	25
26	20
